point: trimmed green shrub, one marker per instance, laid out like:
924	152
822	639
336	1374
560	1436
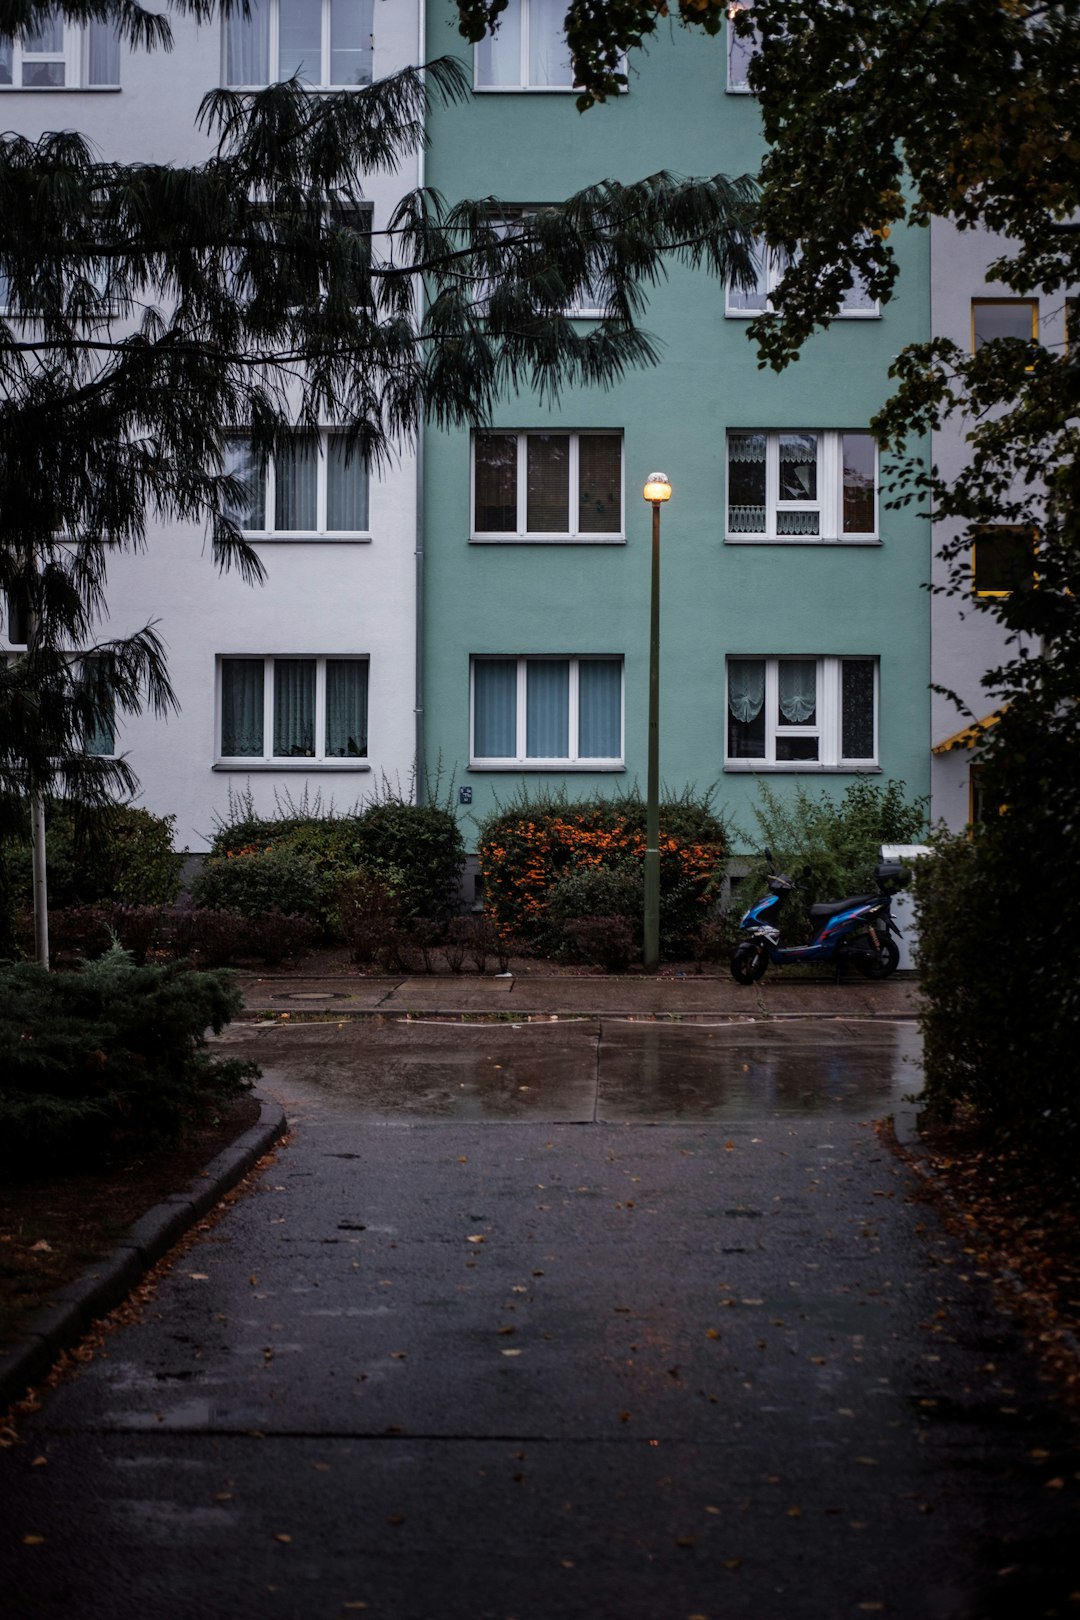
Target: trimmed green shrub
530	849
119	854
254	880
607	942
111	1054
840	842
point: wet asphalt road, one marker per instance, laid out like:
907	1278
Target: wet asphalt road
589	1319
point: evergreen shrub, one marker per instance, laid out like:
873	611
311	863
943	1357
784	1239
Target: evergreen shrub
111	1054
121	854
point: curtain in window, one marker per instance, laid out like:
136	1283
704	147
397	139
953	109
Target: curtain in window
599	708
247	45
102	53
859	469
351	41
599	483
346	488
857	708
498	56
297	483
741	51
547	708
346	708
300	40
549	57
746	688
797	690
241	707
294	708
798	482
7	58
752	298
548	483
495	708
496	483
101	738
241	464
746	483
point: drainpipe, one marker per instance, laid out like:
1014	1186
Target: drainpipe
419	743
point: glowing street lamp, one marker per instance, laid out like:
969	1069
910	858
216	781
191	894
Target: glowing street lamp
657	490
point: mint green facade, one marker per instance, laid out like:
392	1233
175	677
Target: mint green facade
718	599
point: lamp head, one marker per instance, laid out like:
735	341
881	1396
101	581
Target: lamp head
657	487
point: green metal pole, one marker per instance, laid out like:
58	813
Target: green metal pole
651	952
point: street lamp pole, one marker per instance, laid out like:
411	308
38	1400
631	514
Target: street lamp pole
657	490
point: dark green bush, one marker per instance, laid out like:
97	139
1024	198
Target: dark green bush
109	1054
840	842
607	942
420	845
254	880
122	854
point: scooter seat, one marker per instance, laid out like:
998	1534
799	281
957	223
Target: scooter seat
829	908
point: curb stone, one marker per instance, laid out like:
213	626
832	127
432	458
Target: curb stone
111	1278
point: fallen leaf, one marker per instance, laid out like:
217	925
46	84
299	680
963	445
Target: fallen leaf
712	1333
511	1352
684	1541
32	1541
40	1462
794	1512
199	1276
281	1535
41	1247
477	1237
396	1518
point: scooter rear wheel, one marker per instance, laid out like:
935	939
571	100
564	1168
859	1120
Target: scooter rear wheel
747	963
880	963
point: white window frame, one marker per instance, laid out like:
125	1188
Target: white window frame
829	503
75	56
521	536
828	728
320	531
771	268
523	85
273	53
285	762
520	761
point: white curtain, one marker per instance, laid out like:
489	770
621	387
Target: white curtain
346	708
241	707
247	45
547	708
241	463
549	57
296	472
498	56
346	488
495	708
351	41
102	54
746	689
746	483
798	689
294	708
599	708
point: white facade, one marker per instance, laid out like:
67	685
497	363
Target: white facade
351	597
966	642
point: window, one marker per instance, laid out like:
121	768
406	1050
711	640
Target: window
801	713
771	265
547	486
1002	558
528	51
801	486
55	55
314	488
591	299
293	708
741	50
993	318
102	739
547	712
320	42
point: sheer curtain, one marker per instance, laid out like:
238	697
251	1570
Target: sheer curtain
495	708
600	708
798	482
498	56
752	298
346	488
547	708
102	54
797	683
297	482
746	483
247	45
351	41
549	57
346	708
300	40
746	689
294	708
241	707
241	464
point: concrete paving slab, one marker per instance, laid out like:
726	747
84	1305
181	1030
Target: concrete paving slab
294	993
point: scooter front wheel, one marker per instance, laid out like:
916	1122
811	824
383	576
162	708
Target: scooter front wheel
880	963
748	963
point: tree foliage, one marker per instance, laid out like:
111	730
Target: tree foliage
156	311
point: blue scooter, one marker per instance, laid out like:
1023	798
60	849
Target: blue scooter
857	930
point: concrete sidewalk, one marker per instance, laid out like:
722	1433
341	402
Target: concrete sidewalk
628	996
